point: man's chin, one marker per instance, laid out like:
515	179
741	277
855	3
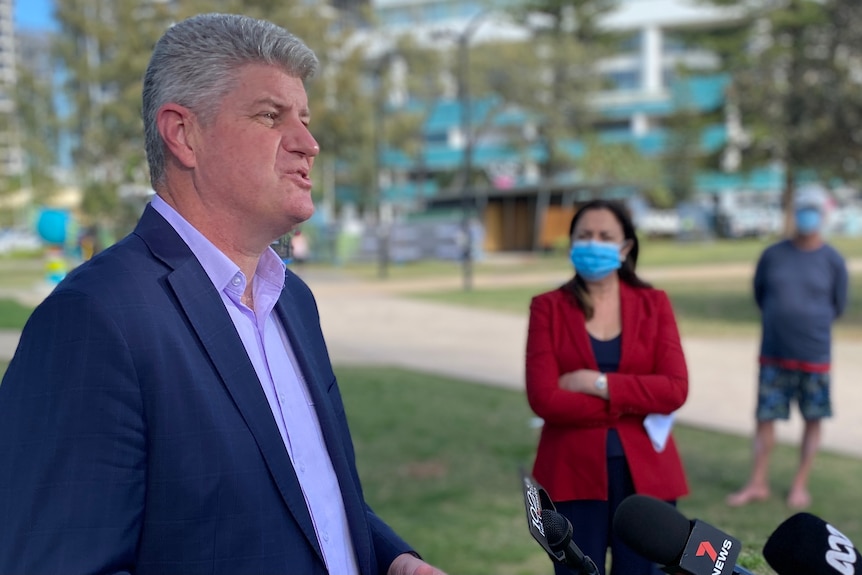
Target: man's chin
305	215
299	214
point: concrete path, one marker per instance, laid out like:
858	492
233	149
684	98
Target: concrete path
376	323
368	323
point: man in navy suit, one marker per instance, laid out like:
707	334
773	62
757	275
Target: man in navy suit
171	407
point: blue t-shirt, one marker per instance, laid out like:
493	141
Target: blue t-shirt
799	293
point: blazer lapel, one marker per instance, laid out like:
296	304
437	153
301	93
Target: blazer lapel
576	328
292	316
203	306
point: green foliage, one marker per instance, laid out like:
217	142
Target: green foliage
611	165
38	128
555	88
705	306
13	315
794	84
105	47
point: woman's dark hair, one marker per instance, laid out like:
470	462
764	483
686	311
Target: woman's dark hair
576	286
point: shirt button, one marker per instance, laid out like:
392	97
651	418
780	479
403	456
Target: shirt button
236	281
302	468
325	536
281	398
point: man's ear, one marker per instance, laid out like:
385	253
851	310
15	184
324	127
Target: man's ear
177	126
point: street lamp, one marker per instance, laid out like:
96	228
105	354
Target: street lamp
467	197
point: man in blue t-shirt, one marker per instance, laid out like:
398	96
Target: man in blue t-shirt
800	286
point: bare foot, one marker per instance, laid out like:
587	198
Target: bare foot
799	499
747	495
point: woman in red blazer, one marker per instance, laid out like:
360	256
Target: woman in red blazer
603	352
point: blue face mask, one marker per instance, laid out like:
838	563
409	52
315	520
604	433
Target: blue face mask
808	220
595	260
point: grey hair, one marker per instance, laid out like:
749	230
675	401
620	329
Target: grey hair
195	63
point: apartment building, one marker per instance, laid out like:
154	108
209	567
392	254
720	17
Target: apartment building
645	91
11	158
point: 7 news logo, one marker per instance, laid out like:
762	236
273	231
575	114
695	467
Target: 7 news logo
719	559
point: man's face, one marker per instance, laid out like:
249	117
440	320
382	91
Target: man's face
253	158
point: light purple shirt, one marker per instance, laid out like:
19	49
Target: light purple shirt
272	356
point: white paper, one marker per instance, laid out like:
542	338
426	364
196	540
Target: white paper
658	426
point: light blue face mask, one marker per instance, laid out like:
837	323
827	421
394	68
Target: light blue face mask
808	220
594	260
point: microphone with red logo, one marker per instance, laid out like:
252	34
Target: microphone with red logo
656	530
806	545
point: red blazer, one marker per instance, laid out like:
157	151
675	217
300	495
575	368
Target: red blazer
652	378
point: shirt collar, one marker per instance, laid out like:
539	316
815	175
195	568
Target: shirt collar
222	271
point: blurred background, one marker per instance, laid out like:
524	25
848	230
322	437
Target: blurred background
455	129
458	139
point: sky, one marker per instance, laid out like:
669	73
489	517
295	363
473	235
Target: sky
34	14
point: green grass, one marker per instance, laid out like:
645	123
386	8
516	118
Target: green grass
653	253
439	457
13	315
439	460
703	307
663	252
21	273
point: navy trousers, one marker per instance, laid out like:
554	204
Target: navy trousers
592	523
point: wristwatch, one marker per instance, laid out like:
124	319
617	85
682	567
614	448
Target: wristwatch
601	382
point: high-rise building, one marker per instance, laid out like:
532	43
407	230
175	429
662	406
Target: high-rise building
11	162
643	93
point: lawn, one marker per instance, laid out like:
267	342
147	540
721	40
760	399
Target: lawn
439	457
13	315
439	460
703	307
653	253
21	273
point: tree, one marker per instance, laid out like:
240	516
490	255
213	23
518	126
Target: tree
614	165
795	66
104	47
569	40
411	78
38	127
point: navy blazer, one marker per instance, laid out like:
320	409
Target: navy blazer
135	436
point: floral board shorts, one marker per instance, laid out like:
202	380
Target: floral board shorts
778	386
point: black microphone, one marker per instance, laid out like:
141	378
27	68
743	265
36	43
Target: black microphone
536	501
550	529
656	530
807	545
558	531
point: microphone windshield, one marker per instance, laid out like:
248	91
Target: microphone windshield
652	527
806	545
558	530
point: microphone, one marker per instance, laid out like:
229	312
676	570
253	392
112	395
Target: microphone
558	530
551	530
656	530
807	545
536	500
